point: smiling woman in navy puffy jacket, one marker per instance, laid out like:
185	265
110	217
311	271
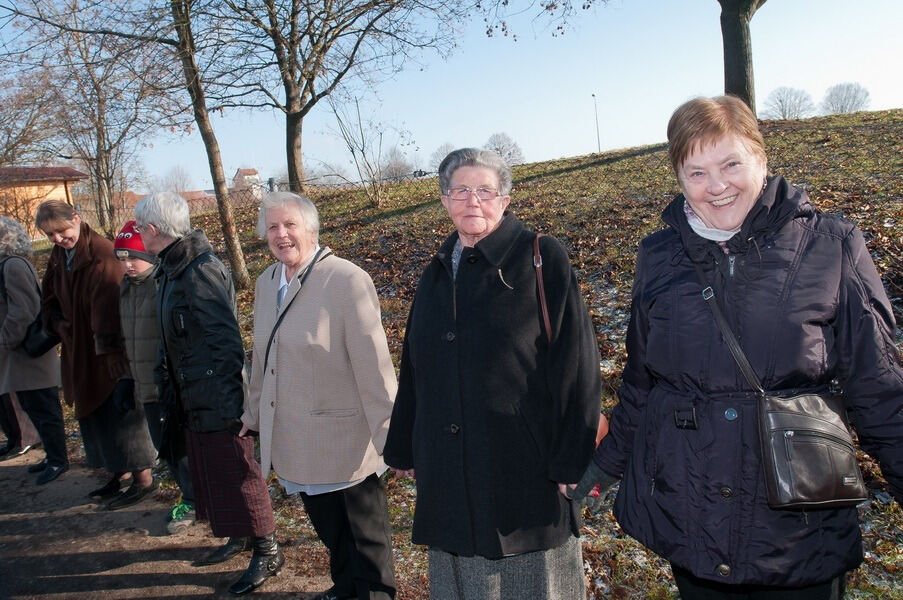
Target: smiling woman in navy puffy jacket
801	293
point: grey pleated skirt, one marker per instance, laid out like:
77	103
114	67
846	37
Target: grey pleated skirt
115	441
555	574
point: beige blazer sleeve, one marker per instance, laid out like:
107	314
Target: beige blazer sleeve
368	353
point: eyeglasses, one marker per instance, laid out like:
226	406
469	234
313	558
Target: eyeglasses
137	228
464	193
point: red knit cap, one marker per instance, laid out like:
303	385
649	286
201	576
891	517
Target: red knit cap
129	243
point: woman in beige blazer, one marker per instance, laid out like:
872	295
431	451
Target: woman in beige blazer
321	394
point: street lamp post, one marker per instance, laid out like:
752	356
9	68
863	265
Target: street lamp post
596	111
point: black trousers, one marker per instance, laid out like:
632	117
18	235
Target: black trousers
15	423
153	412
43	408
354	525
694	588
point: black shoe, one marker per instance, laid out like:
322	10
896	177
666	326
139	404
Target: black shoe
109	489
51	472
233	547
266	562
37	467
135	494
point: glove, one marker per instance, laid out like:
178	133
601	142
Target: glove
124	395
592	477
165	395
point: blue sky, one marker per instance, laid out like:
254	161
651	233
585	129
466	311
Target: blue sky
641	58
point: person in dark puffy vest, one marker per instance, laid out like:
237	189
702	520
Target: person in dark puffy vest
801	293
141	333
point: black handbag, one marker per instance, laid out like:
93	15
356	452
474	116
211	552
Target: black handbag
808	456
37	341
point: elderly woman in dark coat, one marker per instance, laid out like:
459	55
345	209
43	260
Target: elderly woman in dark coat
80	300
34	381
491	415
201	372
801	293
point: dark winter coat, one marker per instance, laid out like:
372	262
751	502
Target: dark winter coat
802	295
488	413
81	305
141	331
201	355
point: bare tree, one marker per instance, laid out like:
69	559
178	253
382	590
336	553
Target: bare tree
177	179
439	155
291	55
364	140
845	98
788	103
505	147
103	95
395	165
25	126
169	26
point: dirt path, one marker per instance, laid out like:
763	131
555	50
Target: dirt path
55	542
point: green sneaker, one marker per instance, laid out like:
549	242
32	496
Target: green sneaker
181	517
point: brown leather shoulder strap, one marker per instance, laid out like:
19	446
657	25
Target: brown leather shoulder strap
540	287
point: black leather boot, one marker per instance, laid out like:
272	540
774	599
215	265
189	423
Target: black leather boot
234	546
266	562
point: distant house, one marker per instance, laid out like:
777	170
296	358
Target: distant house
245	178
23	188
246	182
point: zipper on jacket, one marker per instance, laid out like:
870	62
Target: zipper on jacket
731	259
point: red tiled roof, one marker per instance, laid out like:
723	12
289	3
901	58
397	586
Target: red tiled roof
245	172
36	174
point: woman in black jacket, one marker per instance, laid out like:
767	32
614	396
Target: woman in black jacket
201	373
491	415
800	291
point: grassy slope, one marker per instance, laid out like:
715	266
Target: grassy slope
600	206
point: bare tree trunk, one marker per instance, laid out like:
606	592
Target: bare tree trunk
738	65
180	15
294	123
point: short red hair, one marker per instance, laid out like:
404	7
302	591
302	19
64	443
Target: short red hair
702	122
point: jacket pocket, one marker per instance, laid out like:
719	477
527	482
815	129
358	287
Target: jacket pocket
196	386
335	413
180	320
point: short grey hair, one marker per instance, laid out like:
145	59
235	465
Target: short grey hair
474	157
167	211
14	240
278	199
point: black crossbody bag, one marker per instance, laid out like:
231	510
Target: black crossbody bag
808	456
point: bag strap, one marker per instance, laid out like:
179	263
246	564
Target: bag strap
303	277
540	287
733	345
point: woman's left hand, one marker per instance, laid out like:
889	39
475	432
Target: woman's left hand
564	487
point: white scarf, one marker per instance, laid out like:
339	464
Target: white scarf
703	230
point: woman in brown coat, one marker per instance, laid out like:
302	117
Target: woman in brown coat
81	305
32	381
